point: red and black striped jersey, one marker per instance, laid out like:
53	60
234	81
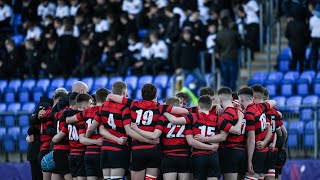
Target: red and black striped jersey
44	137
275	120
204	124
111	116
257	121
173	138
60	121
72	130
145	114
230	118
87	116
195	110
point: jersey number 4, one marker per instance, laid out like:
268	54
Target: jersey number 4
172	127
146	117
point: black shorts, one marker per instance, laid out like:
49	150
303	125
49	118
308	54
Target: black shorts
259	162
145	158
281	160
92	163
205	166
271	159
77	166
41	155
61	160
115	159
232	160
179	164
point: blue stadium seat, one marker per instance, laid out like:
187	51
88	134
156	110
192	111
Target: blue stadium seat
23	95
23	145
43	84
283	64
132	82
23	120
9	120
308	138
3	85
303	83
37	92
272	87
138	95
8	145
159	93
14	107
3	107
50	91
129	93
13	132
24	131
275	76
285	123
29	84
15	84
291	75
113	80
161	81
57	83
88	81
295	131
3	132
9	95
28	107
142	33
286	88
293	103
69	83
281	101
287	51
169	92
100	82
18	39
144	80
306	113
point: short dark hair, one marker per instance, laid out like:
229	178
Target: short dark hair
235	96
183	95
81	98
59	95
172	101
266	94
72	98
258	91
245	91
149	92
209	91
101	95
118	87
205	102
225	90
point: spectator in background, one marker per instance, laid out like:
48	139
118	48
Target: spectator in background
11	62
228	42
5	15
33	59
195	24
74	6
33	31
89	56
46	8
295	9
68	49
185	57
314	24
50	62
298	37
62	9
101	27
251	10
133	8
210	44
159	56
172	30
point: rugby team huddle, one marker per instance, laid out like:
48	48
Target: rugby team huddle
234	135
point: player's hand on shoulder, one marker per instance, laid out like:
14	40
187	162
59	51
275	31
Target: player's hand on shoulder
99	142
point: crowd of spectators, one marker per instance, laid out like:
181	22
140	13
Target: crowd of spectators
97	37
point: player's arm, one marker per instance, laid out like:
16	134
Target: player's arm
262	144
199	145
250	148
72	119
87	141
236	129
150	135
284	134
115	98
137	136
58	137
212	139
272	103
92	128
179	110
274	142
106	134
175	120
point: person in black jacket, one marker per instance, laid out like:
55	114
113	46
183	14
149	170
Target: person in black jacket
186	57
33	138
298	36
172	30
